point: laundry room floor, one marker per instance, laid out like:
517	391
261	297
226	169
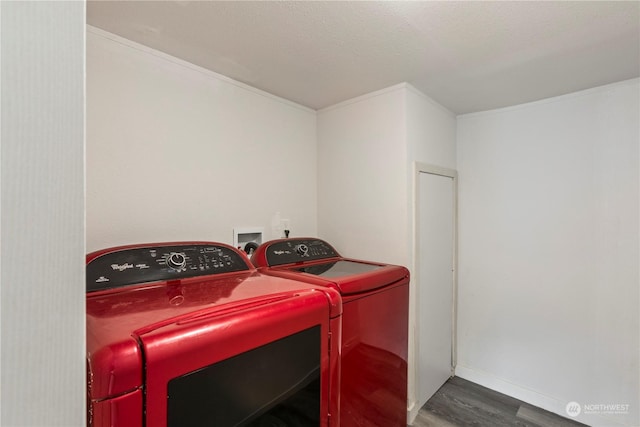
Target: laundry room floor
462	403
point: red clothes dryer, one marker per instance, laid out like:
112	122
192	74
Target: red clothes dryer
375	321
190	334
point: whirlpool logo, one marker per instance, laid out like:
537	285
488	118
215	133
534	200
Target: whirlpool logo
121	267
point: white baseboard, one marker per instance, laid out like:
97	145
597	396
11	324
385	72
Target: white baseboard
412	412
532	397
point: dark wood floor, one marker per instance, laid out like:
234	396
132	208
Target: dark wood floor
463	403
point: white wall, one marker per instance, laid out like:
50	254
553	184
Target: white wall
175	152
548	258
366	150
431	131
42	245
362	164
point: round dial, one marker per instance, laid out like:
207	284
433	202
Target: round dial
177	260
302	249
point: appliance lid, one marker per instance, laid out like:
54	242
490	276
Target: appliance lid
338	268
348	276
317	262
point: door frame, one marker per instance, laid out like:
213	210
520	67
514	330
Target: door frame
419	168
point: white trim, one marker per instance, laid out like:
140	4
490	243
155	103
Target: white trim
554	99
532	397
436	170
190	66
412	413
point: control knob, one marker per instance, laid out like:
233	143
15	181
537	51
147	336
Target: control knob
177	260
302	249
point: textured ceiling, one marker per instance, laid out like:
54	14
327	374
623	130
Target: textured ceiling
468	56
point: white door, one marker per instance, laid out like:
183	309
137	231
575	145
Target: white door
435	287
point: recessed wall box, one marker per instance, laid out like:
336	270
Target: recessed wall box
244	235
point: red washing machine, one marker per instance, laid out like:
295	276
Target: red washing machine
190	334
375	319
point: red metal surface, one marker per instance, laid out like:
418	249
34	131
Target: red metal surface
121	411
191	343
375	317
159	330
374	359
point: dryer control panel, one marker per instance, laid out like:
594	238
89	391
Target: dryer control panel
141	264
289	251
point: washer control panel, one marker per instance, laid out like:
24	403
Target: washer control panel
298	250
131	266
